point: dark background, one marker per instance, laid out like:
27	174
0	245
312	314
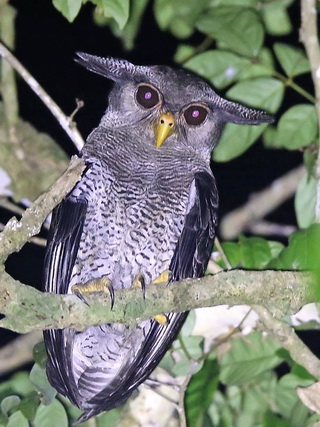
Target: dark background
46	44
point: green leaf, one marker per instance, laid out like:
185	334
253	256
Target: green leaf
200	391
272	420
302	252
236	140
248	357
29	406
219	67
17	420
39	379
9	403
179	16
128	33
39	354
53	415
286	396
264	93
276	18
232	252
238	28
255	252
183	53
293	60
68	8
116	9
19	383
305	201
251	252
297	127
222	68
275	248
194	346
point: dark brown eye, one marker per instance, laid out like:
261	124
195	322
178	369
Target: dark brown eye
195	115
147	96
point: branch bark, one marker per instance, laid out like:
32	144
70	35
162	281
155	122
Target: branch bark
27	309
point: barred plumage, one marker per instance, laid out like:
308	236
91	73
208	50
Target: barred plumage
138	209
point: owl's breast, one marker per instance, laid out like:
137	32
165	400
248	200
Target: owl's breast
131	227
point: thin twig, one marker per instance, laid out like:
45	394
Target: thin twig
182	392
309	37
262	203
222	254
65	122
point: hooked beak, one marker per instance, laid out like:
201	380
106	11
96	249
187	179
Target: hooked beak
163	128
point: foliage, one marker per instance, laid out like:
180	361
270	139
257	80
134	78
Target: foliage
242	52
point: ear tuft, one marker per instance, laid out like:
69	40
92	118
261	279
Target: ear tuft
237	113
111	68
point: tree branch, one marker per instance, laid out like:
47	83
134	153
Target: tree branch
289	340
27	309
262	203
17	233
65	122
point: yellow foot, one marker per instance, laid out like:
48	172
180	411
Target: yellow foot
103	284
140	283
164	277
161	319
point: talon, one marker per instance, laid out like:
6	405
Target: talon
75	290
164	277
96	285
140	282
161	319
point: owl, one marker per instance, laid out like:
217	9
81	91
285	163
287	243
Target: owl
146	206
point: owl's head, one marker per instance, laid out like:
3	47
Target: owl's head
172	106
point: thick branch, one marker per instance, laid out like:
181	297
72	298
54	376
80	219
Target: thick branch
27	309
17	233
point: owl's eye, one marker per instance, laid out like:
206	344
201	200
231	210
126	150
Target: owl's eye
195	115
147	96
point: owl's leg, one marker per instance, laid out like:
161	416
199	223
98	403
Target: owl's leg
103	284
139	282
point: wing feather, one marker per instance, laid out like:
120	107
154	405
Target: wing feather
62	248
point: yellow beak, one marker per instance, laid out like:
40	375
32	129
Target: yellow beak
163	128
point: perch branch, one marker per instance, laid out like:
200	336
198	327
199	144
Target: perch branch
65	122
309	37
27	309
